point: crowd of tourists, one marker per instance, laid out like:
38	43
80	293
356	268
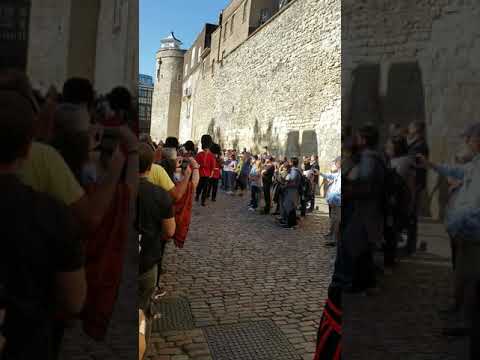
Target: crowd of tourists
384	185
68	174
174	176
286	184
382	188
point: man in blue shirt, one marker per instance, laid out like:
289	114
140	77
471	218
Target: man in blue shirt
463	222
333	198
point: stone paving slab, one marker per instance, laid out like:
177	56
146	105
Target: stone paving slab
238	266
177	315
259	340
402	322
179	345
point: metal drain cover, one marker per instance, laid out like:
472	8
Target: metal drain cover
176	314
257	340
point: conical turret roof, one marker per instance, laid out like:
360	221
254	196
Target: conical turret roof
170	42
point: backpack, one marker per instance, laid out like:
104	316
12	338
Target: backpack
305	187
397	199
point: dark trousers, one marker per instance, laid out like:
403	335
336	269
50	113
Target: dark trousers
390	249
454	251
475	332
58	335
292	218
202	188
231	181
303	205
267	196
343	271
412	230
159	263
255	191
213	187
240	183
224	180
312	202
364	270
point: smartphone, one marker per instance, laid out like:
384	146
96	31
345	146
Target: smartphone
108	144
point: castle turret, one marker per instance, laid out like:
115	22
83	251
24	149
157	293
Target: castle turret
167	93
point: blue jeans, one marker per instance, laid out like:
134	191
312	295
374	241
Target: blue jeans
256	191
224	179
231	180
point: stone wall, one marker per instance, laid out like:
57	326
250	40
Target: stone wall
443	38
167	97
80	39
117	46
49	34
234	13
280	87
83	38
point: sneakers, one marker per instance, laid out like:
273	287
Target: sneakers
251	209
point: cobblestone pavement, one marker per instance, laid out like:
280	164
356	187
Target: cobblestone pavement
402	322
240	266
121	342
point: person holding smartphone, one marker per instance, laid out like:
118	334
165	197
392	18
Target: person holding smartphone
463	224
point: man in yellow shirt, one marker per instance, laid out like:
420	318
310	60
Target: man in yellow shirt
46	171
159	177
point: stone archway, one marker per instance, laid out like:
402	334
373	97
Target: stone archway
309	143
405	100
365	102
292	146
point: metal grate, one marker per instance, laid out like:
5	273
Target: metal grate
259	340
176	314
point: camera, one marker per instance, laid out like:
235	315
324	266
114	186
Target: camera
184	164
108	143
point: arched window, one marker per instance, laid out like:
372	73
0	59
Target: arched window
159	63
